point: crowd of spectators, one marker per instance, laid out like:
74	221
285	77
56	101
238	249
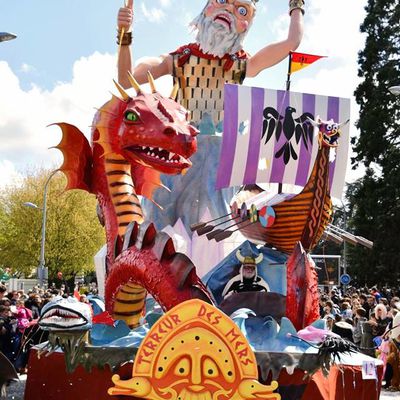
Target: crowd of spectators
19	314
362	316
366	318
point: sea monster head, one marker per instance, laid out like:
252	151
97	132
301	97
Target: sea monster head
329	131
66	314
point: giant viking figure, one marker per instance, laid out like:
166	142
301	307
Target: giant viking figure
201	69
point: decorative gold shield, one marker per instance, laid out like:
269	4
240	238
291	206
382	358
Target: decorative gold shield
194	352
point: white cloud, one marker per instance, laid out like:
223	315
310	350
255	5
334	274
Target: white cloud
9	175
26	68
153	14
165	3
333	28
25	114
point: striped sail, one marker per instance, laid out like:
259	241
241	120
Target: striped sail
247	159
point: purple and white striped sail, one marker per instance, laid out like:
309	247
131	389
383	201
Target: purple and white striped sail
252	152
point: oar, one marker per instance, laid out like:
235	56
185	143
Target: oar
225	234
199	225
211	235
209	228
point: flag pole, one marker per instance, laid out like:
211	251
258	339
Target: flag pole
289	72
280	186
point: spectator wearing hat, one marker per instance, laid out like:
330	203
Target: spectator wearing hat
342	328
330	320
381	321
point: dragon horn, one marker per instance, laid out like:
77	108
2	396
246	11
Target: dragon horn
239	256
125	96
174	91
134	83
150	78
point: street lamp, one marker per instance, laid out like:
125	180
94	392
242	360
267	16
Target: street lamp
5	36
42	264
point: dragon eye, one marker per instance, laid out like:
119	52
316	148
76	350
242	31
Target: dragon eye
131	116
221	1
335	127
329	127
242	11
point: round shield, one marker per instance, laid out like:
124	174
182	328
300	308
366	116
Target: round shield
266	216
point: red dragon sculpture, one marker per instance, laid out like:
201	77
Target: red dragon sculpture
133	141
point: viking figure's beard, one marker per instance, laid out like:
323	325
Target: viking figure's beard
215	38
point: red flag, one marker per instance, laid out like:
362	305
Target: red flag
77	295
302	60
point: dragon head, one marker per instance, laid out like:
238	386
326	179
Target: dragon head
329	131
155	130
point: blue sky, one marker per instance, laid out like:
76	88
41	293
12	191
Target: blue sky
61	65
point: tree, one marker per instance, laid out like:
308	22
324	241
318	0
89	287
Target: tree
73	233
374	199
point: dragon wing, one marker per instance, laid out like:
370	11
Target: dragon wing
272	123
77	165
304	129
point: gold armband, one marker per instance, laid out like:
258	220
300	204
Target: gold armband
125	39
296	4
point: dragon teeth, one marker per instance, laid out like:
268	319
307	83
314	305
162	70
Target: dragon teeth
151	148
170	155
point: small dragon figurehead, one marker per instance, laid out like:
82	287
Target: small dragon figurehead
155	130
329	131
66	314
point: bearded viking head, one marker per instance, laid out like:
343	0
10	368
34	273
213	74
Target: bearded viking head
223	24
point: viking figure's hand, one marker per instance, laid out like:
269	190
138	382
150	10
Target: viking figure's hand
125	16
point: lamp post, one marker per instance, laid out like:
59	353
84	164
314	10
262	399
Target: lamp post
42	263
5	36
345	243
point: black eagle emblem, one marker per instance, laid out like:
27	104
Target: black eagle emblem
300	128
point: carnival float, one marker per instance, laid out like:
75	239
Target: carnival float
210	291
